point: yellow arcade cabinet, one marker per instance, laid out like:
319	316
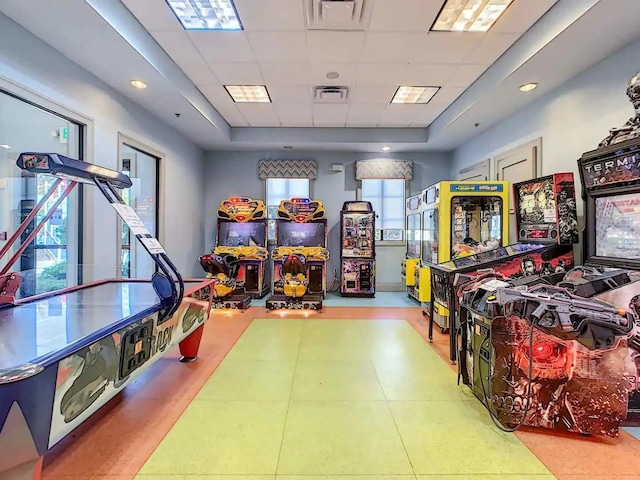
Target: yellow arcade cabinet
300	256
413	256
459	219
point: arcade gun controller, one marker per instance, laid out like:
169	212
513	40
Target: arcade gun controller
222	268
544	357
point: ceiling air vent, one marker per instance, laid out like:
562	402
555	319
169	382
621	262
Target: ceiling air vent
331	95
337	14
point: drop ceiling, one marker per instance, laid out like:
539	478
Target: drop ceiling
389	46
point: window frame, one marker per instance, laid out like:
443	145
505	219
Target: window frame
390	243
272	241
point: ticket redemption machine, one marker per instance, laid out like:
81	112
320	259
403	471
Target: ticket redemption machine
459	219
239	262
413	257
300	256
358	250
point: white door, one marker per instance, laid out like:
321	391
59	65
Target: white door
517	165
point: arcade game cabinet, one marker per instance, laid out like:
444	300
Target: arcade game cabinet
300	256
413	256
238	264
97	338
458	219
546	222
358	250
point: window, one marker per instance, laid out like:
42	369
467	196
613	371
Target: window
279	189
53	259
387	198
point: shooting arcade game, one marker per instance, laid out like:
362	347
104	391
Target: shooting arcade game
546	222
300	256
413	257
112	330
358	249
239	262
458	219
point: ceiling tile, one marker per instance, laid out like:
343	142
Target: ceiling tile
154	15
240	73
391	47
447	47
277	73
290	95
179	47
278	46
465	75
218	46
225	106
380	74
272	15
492	46
330	115
521	15
398	115
426	114
364	115
371	95
347	72
295	115
326	46
259	115
446	95
420	74
403	15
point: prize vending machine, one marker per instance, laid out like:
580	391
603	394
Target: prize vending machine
357	251
411	262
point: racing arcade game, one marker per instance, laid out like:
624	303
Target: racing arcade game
300	256
238	264
358	250
412	260
546	223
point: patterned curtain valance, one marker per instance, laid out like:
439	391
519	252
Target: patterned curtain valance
287	169
384	169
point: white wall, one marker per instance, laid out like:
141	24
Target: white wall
571	120
34	66
229	174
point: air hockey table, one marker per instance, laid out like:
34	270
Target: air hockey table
65	354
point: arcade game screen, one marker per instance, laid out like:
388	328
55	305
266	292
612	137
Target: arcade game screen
413	235
475	225
291	234
234	234
618	226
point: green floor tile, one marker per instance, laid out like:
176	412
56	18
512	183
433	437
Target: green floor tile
347	477
263	346
456	443
324	438
486	477
205	477
222	437
276	327
327	380
333	349
250	380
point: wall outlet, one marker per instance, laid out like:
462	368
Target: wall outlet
335	273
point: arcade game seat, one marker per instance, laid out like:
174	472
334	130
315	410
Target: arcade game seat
294	269
223	268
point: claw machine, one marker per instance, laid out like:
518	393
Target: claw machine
413	256
357	250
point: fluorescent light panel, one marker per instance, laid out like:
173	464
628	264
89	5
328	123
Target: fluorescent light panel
414	94
469	15
248	93
206	14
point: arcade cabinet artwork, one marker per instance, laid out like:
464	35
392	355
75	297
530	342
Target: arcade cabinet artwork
458	219
546	222
111	331
300	256
413	257
358	251
239	262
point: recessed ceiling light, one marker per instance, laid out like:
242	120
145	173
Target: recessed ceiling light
248	93
527	87
4	145
333	75
469	15
138	84
206	14
386	148
414	94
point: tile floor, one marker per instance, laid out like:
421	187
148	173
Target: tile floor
382	299
334	399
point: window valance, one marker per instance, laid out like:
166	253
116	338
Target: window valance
384	169
287	169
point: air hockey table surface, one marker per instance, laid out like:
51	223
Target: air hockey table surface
65	355
44	330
